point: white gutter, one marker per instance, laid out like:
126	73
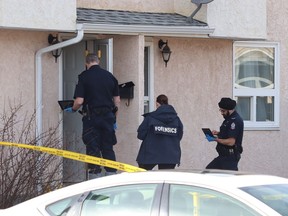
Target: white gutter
173	31
38	67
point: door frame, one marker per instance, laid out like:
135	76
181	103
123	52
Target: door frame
109	57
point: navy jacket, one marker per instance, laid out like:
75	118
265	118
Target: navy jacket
97	86
232	126
161	132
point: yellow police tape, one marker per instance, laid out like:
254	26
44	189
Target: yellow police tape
78	157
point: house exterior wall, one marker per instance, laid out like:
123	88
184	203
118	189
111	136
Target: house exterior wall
198	74
269	148
128	66
194	88
231	19
183	7
186	84
266	151
17	72
41	14
238	18
129	5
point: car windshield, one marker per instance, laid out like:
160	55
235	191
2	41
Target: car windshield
275	196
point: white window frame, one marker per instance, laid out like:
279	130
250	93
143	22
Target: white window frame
253	124
150	98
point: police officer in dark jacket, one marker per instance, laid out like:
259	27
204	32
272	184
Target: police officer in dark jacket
229	139
97	92
161	132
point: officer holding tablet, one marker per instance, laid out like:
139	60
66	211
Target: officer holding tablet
229	138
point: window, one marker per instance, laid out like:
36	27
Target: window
274	195
62	206
148	78
191	200
256	83
120	200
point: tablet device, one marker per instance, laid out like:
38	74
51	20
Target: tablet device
65	103
207	131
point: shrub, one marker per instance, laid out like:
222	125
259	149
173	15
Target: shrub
25	173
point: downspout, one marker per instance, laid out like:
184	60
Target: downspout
38	67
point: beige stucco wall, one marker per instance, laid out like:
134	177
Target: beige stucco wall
129	5
238	18
40	14
184	7
17	74
231	19
187	81
198	74
128	66
266	151
196	77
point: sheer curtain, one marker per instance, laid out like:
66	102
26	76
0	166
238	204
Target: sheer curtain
254	70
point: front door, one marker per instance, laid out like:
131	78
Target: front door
73	65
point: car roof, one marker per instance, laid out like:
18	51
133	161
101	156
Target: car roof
217	179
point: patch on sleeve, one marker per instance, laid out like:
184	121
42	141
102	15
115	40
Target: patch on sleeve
233	126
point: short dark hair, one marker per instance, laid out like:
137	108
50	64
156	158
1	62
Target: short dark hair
92	57
162	99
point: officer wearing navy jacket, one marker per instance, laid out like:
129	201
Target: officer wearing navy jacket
161	132
229	138
97	92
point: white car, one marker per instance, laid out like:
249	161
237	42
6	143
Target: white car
164	193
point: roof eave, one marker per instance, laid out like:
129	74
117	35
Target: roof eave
148	30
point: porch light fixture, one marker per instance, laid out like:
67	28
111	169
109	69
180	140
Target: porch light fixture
54	40
166	52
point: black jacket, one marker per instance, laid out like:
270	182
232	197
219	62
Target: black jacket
161	132
232	126
97	86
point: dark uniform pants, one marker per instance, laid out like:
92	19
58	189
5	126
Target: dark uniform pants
99	137
224	163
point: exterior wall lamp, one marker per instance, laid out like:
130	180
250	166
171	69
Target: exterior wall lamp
54	40
166	52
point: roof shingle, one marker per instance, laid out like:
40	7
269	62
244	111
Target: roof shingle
95	16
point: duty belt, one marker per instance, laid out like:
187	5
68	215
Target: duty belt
222	151
88	110
100	110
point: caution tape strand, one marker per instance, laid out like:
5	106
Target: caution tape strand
77	156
